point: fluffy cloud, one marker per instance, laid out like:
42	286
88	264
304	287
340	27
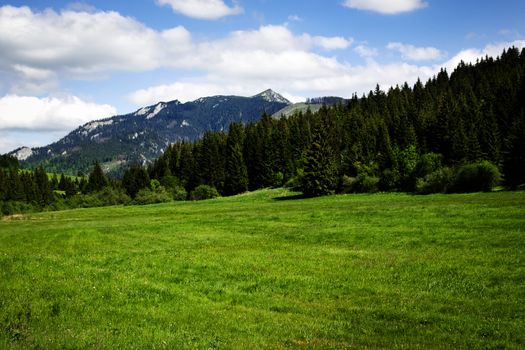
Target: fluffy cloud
50	113
365	51
390	7
182	91
304	75
41	48
472	54
202	9
37	45
413	53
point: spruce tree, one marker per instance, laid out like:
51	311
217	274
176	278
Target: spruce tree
43	187
320	172
3	185
135	179
97	179
236	180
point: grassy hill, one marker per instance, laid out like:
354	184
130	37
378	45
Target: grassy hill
263	270
296	108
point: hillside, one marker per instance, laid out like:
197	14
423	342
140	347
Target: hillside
143	135
265	271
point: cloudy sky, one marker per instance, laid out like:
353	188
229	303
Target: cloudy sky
63	63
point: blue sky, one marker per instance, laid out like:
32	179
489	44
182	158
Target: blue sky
63	63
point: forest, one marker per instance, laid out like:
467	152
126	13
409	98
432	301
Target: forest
458	132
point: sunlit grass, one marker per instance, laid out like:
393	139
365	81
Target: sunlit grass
260	271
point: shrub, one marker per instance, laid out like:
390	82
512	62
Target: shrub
147	196
438	181
347	184
179	193
428	163
202	192
367	184
360	184
106	196
390	180
294	183
482	176
16	207
170	182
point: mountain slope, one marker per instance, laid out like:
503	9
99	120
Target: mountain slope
143	135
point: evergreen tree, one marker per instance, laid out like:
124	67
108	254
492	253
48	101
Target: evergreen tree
97	179
320	173
44	192
3	185
135	179
67	185
15	187
236	173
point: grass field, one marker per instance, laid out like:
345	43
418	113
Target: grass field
259	271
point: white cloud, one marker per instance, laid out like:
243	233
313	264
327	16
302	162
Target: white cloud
413	53
332	43
82	44
472	54
182	91
294	18
365	51
50	113
202	9
185	91
389	7
298	74
39	49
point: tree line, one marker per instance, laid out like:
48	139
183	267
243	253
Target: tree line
459	132
464	128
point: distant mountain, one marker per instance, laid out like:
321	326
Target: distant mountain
143	135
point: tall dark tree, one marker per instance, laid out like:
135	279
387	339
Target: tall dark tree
320	173
43	187
135	179
97	179
3	185
236	180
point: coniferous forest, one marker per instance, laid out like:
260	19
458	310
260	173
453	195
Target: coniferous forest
457	132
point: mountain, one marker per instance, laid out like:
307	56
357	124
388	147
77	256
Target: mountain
143	135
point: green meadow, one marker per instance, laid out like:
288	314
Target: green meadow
267	270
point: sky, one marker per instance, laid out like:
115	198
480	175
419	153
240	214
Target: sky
64	63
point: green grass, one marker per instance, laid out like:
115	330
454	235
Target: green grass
247	272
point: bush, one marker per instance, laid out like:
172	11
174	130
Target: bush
428	163
367	184
438	181
360	184
390	180
147	196
107	196
294	183
482	176
15	207
202	192
179	193
170	182
347	184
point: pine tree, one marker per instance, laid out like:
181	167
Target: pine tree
67	185
43	187
135	179
3	185
320	172
236	173
15	187
97	179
